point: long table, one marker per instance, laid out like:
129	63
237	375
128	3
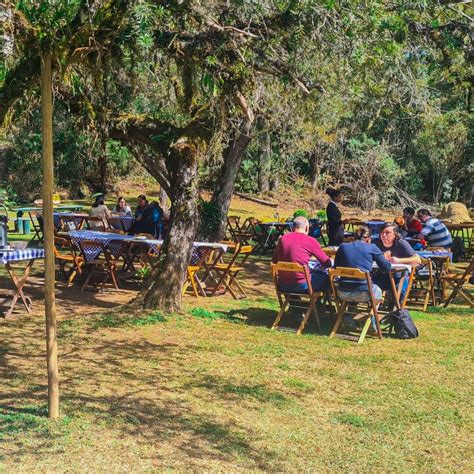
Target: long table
7	258
107	239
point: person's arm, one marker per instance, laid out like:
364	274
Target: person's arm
317	252
383	264
409	255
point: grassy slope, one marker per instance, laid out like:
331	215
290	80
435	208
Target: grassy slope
214	389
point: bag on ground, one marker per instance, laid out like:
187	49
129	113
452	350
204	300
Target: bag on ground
401	323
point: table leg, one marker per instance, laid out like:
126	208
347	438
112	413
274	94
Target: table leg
19	283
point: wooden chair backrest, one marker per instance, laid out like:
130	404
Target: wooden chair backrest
353	274
290	267
97	222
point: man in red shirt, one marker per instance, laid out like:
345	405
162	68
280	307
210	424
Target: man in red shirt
299	247
412	225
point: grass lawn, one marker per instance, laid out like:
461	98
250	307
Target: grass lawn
214	389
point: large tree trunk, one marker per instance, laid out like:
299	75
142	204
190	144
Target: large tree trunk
166	291
265	156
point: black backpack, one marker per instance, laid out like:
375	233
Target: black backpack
400	321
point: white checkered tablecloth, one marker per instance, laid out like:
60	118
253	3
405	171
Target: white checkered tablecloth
18	255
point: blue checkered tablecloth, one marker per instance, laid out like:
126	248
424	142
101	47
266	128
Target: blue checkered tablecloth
74	219
107	238
7	256
122	222
435	254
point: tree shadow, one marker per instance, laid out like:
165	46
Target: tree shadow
103	382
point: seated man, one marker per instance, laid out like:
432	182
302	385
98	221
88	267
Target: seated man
299	247
412	226
434	231
360	254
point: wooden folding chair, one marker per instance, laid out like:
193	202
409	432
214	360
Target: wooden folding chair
37	222
227	272
95	223
422	286
65	254
456	281
99	260
233	227
192	279
295	299
343	305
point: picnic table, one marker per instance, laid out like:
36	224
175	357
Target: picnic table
108	239
121	222
439	259
74	219
404	269
21	210
271	233
465	231
9	257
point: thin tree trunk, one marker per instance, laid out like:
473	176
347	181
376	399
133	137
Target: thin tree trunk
233	156
48	230
166	291
265	156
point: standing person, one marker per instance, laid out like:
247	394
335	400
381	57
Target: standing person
142	204
360	254
299	247
434	231
122	208
335	225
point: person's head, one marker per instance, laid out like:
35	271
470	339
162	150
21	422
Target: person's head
423	215
121	203
389	234
408	214
99	201
399	221
301	224
142	202
334	194
363	233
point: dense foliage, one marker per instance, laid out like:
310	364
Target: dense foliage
382	98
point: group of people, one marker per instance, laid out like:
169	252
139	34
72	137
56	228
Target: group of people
362	253
148	216
390	247
425	227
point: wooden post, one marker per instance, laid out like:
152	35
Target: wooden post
48	232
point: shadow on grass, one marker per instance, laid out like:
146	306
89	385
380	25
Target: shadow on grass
143	400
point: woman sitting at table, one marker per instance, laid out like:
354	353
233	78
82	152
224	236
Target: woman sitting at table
122	208
360	254
335	225
99	209
148	221
395	250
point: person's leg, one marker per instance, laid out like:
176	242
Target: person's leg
319	281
